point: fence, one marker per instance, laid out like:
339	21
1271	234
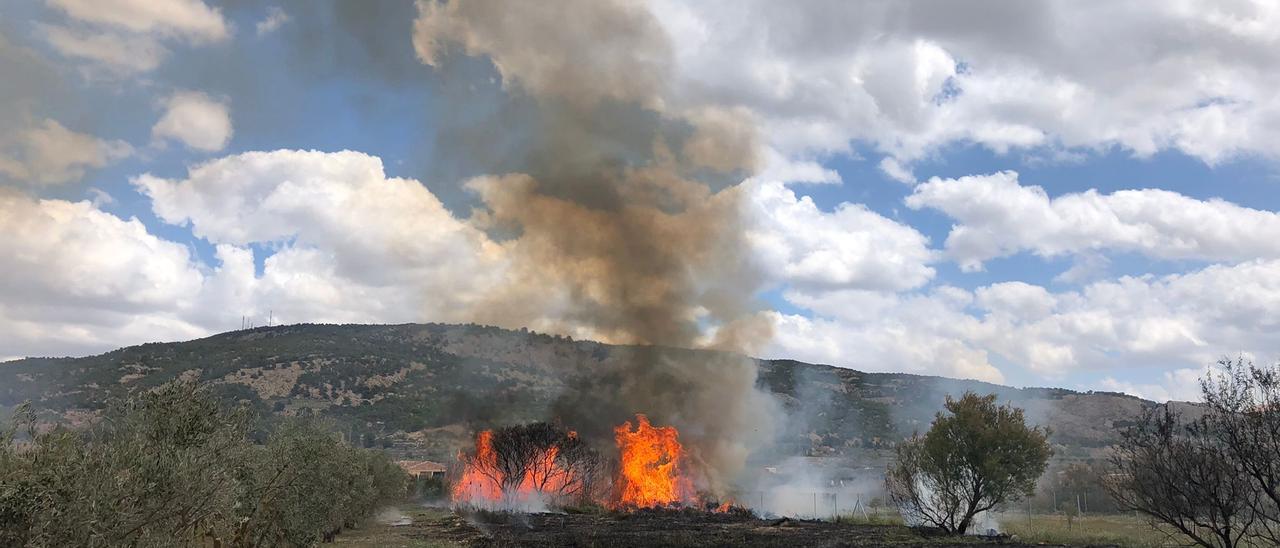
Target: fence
808	504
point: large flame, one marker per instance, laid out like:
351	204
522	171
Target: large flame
480	480
651	460
483	483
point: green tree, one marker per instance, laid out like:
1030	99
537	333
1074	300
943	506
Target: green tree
173	467
973	458
156	467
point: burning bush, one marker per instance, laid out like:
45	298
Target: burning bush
537	465
528	465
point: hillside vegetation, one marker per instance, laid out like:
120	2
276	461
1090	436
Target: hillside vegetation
424	388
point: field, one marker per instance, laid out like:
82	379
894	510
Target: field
1115	529
439	527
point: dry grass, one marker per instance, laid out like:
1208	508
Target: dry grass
1115	529
377	535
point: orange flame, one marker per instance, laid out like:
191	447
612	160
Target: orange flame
650	472
480	479
483	483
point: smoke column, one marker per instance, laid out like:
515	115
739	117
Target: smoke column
622	225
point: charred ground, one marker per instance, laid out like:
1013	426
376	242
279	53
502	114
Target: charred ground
688	528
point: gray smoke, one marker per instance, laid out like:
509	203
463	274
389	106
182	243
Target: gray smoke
616	215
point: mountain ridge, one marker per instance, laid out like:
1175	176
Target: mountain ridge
423	388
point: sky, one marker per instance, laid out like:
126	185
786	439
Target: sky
1055	193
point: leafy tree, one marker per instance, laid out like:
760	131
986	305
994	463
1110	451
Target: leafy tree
971	460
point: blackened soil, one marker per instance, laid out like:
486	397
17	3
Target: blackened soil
677	528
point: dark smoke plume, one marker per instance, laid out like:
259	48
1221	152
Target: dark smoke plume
619	225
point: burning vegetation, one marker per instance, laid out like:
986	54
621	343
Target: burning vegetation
650	464
527	466
538	465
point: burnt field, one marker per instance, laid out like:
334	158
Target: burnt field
440	527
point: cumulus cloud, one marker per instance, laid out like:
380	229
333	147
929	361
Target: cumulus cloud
346	243
911	76
77	279
928	333
129	36
50	154
351	244
850	247
1183	321
997	216
196	120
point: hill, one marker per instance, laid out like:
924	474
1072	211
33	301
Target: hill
421	389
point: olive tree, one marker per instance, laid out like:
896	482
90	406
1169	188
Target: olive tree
974	457
172	466
156	467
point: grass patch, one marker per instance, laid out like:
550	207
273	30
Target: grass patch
871	518
1118	529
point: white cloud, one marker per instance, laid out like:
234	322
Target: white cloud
896	171
851	247
275	18
189	19
128	36
195	119
124	53
351	243
77	279
998	217
912	76
926	334
1177	321
99	197
1176	385
51	154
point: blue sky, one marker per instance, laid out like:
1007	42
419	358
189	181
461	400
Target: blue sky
1162	154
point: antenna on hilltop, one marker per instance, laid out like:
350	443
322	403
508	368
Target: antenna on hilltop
271	317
